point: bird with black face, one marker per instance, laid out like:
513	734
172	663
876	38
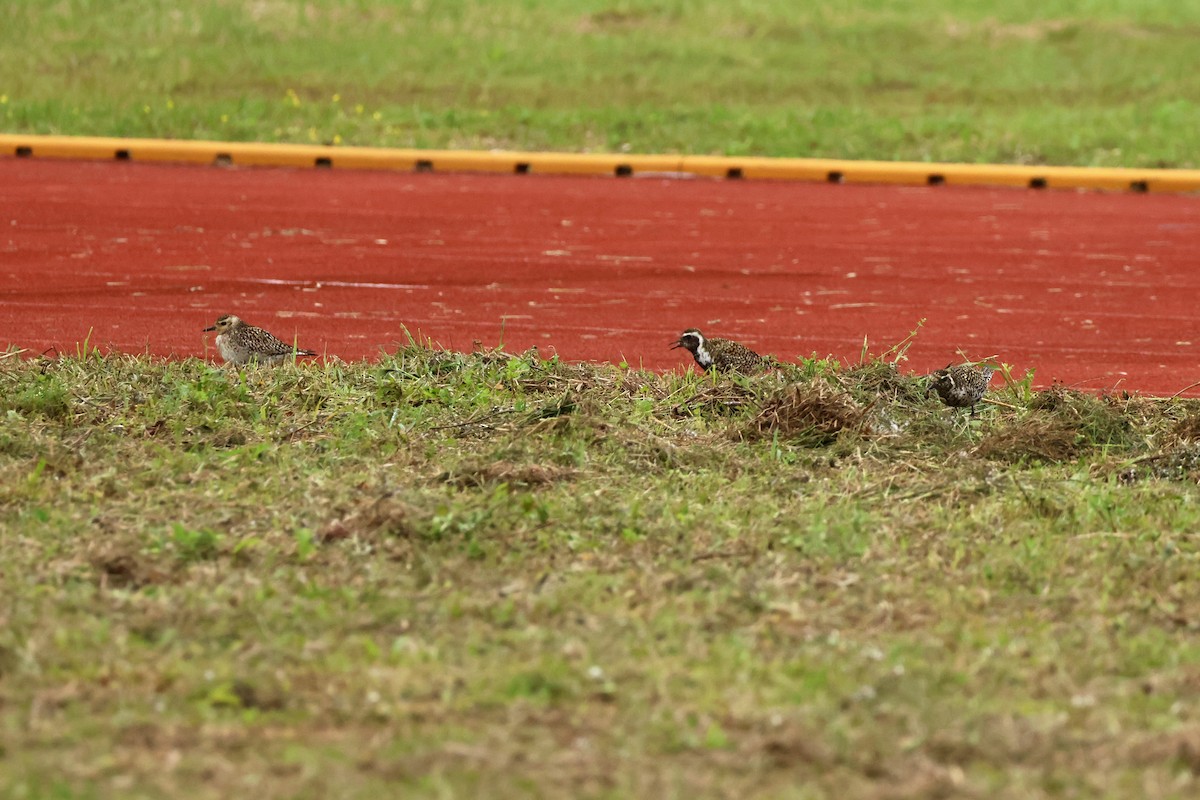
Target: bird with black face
723	355
961	386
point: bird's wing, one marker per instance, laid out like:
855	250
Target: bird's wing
264	342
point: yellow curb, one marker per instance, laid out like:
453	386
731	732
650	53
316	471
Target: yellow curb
751	168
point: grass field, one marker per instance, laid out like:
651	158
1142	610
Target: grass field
491	575
1107	82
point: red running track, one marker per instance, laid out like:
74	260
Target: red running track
1094	290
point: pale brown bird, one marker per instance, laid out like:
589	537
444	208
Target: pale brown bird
239	343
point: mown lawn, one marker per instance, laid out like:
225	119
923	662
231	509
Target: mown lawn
1110	82
488	574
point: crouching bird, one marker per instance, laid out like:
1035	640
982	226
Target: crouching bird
239	343
724	355
961	386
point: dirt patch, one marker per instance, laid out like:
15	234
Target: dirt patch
486	473
386	517
117	567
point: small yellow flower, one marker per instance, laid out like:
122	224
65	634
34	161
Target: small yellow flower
312	134
145	109
337	138
358	109
337	98
3	99
377	116
170	104
224	118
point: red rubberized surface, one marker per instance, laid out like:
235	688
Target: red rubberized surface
1094	290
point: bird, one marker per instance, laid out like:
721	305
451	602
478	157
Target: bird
241	344
961	386
724	355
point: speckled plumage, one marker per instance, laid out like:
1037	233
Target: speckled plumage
961	386
724	355
241	344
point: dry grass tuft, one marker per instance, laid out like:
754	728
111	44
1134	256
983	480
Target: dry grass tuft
1055	398
1037	436
1096	421
884	380
814	414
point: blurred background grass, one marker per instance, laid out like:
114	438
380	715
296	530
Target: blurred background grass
1106	82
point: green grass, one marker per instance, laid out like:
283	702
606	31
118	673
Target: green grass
453	575
1107	82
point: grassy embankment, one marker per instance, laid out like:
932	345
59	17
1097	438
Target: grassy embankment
490	573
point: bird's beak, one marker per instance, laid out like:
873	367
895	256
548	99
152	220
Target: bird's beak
677	344
210	328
